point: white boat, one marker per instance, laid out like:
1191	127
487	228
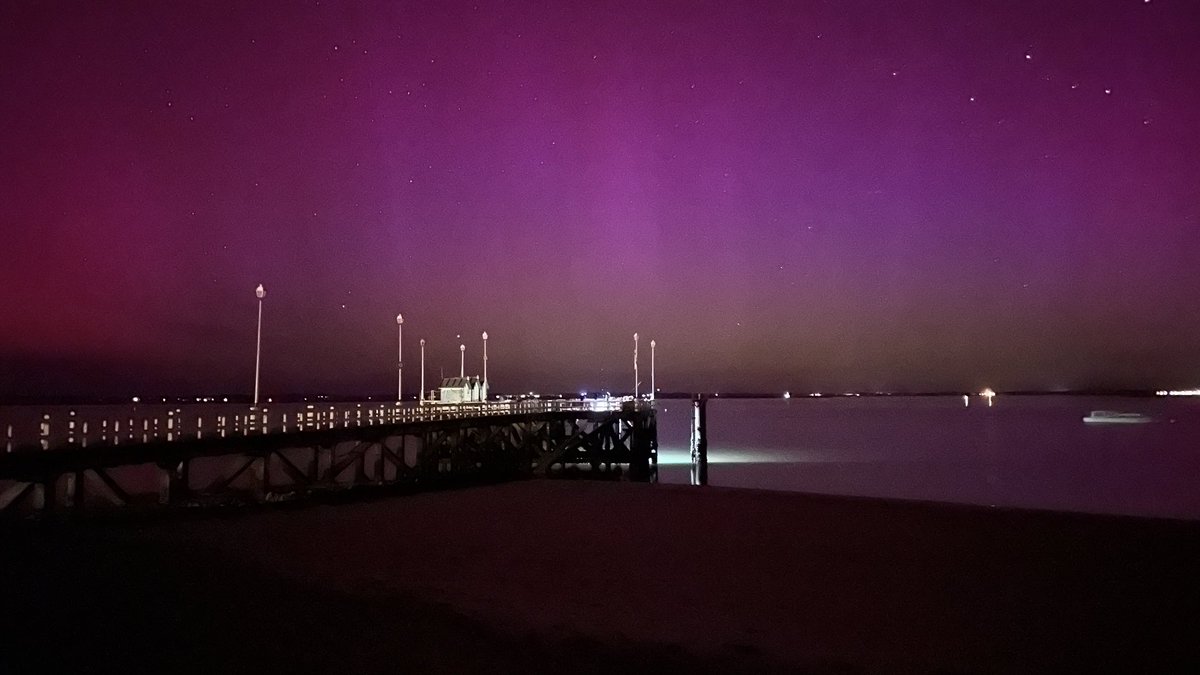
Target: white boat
1111	417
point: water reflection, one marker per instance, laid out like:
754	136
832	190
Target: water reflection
1032	452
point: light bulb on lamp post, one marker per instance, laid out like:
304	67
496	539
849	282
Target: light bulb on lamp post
635	366
462	360
652	389
400	358
484	395
422	370
260	293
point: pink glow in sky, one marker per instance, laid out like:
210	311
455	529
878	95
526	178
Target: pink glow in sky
791	195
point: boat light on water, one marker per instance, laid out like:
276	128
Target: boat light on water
1110	417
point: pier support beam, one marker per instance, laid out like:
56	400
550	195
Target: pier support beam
643	444
699	441
455	447
174	482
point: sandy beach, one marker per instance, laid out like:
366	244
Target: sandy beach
576	576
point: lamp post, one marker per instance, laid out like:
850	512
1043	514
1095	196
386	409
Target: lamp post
261	293
462	360
652	389
400	358
485	364
422	370
635	366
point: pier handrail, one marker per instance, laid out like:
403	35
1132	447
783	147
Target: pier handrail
29	428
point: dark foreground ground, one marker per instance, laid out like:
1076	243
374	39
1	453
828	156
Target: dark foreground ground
603	577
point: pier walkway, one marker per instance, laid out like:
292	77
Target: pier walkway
91	456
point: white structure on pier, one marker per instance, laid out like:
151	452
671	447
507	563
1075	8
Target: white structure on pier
462	390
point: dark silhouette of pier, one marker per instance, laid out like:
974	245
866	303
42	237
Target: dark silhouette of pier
187	455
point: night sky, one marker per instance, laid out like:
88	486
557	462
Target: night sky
793	195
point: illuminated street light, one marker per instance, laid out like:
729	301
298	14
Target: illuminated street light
400	358
462	360
485	365
422	370
652	388
261	293
636	382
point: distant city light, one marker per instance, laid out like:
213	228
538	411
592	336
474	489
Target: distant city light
787	394
1178	392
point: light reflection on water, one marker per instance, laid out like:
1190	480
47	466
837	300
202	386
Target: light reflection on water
1031	452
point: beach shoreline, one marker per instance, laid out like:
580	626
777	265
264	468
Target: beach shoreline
583	576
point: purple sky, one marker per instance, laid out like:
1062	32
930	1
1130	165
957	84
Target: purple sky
803	195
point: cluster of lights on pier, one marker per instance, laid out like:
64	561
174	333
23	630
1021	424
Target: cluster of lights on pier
637	383
260	294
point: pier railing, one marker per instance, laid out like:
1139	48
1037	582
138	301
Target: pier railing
29	428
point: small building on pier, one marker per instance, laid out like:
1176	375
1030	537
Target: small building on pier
462	390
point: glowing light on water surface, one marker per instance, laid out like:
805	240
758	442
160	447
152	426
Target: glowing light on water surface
682	456
989	395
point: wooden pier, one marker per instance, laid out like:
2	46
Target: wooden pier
320	449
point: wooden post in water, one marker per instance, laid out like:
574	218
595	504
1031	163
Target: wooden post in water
643	441
699	441
262	476
173	482
71	477
77	495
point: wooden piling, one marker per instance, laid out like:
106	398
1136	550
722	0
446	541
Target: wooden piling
699	440
262	476
77	489
174	486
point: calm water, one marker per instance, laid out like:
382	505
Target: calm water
1024	451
